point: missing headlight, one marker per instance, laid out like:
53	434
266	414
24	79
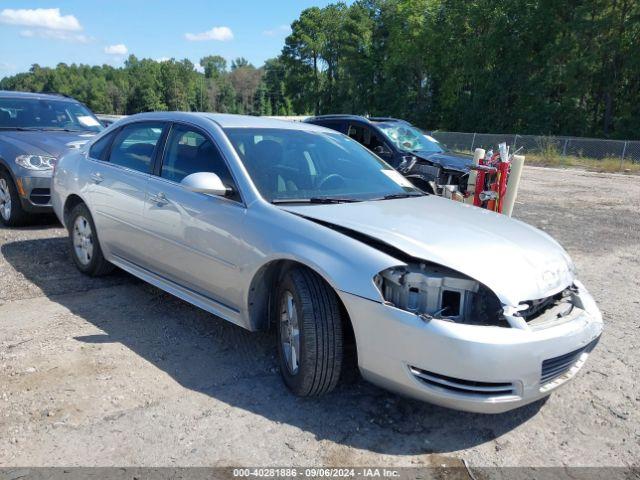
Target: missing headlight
432	291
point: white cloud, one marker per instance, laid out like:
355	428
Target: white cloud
163	59
118	49
199	68
48	18
281	30
56	35
221	34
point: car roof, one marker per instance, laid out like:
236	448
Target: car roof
388	120
370	120
228	120
36	95
338	116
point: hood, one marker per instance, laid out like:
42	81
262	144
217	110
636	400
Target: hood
516	261
38	142
451	161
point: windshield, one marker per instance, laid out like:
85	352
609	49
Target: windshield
40	114
296	165
409	138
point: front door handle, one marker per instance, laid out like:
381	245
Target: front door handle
159	198
96	178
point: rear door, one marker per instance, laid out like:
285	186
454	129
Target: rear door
196	238
117	189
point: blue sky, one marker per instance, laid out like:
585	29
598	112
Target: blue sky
97	32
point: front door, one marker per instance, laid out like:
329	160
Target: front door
368	137
196	238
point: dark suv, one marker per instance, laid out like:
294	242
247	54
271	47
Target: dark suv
417	156
35	130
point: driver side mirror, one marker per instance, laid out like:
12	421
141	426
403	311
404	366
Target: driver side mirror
205	182
380	150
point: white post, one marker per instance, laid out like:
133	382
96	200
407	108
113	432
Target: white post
512	185
624	150
471	179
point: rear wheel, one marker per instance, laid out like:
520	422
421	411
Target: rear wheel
11	212
310	336
83	240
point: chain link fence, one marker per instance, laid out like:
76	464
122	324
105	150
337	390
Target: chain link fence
625	151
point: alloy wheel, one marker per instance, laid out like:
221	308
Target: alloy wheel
290	331
5	200
83	240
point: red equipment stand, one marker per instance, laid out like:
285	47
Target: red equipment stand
491	183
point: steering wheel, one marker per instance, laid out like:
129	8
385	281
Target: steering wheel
333	180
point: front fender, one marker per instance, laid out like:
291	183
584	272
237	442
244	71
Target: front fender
346	264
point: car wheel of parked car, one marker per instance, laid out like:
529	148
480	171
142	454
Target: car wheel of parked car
309	327
11	212
83	240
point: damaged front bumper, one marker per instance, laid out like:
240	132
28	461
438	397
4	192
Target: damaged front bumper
477	368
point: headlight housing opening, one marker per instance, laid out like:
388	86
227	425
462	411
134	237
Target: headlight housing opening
36	162
435	292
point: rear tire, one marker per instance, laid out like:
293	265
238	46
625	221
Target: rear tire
309	332
84	244
11	212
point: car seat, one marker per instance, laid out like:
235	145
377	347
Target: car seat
265	158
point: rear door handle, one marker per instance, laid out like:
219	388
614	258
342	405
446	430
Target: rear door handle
96	178
159	198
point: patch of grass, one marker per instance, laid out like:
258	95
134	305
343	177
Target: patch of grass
548	155
605	165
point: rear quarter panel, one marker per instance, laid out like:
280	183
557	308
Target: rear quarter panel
67	180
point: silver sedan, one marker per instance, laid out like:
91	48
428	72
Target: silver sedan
290	226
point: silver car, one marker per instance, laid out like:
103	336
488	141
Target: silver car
291	226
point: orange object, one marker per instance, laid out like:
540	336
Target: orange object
20	188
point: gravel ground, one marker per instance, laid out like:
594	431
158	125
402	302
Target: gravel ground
111	371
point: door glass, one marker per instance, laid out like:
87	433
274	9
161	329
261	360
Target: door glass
99	149
134	146
189	151
367	137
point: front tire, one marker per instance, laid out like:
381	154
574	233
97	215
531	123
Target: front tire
309	331
83	242
11	212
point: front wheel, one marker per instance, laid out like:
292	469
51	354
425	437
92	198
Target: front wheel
85	247
310	335
11	212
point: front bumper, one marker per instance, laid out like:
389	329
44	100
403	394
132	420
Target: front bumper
467	367
35	193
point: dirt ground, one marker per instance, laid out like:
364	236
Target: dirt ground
111	371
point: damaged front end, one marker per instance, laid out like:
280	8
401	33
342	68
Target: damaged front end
432	291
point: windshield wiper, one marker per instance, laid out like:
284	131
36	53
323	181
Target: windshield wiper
400	195
20	129
320	200
60	129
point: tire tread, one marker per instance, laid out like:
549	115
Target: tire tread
320	305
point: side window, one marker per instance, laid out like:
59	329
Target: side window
189	151
357	132
99	149
134	145
366	136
